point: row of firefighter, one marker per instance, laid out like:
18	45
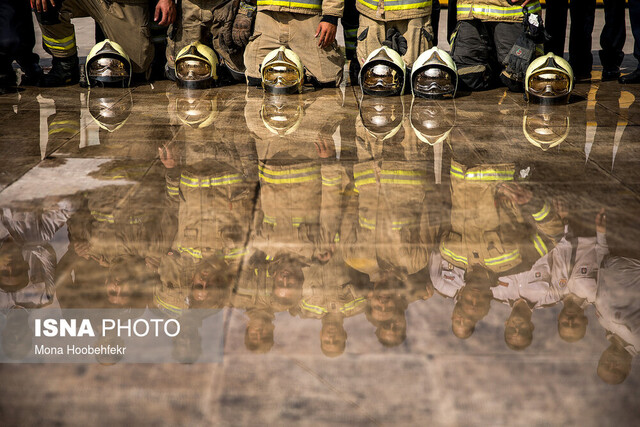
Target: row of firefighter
325	215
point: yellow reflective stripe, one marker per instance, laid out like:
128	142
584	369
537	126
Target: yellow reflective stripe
502	258
402	181
64	122
330	182
66	43
496	11
296	221
398	225
367	223
269	258
313	308
452	255
67	130
102	217
288	171
166	305
364	172
490	175
269	220
351	32
408	6
191	251
236	253
173	191
336	238
289	180
210	182
352	305
59	41
360	182
539	245
542	213
316	5
457	172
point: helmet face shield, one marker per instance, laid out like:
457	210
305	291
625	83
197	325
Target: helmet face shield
434	82
383	73
108	65
281	115
549	80
434	75
431	121
196	67
196	112
282	72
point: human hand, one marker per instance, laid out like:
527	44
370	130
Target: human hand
165	13
326	32
42	5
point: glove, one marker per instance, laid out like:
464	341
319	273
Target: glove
534	28
519	57
227	14
395	41
243	24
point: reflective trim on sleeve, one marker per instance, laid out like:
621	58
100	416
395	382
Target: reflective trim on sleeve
502	259
542	213
352	305
452	255
541	248
369	224
313	308
191	251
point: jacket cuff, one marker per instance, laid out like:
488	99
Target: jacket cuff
330	19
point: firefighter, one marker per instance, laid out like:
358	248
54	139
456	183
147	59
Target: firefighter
125	22
223	25
308	28
486	33
405	27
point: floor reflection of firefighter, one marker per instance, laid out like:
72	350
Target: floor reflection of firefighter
332	292
617	307
300	185
211	178
567	274
119	230
499	226
392	209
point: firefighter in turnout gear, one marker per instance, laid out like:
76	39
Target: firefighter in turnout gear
126	22
486	32
404	26
307	27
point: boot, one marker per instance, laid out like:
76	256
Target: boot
30	64
7	76
354	72
65	71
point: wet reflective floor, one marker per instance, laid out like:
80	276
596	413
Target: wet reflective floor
366	261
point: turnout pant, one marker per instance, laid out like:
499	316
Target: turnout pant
125	24
478	49
372	33
296	31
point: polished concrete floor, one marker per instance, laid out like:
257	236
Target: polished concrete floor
388	262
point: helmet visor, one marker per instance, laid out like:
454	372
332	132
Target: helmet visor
434	82
546	128
192	70
280	76
381	79
549	84
108	67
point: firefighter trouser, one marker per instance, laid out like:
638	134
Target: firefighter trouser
478	49
125	24
16	34
194	22
295	31
372	33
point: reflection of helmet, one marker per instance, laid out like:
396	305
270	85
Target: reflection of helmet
196	67
281	114
434	75
108	65
383	73
382	117
432	122
110	110
545	127
282	72
549	80
196	112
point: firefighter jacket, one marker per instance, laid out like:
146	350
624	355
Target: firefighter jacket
328	289
306	7
494	10
394	10
488	230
